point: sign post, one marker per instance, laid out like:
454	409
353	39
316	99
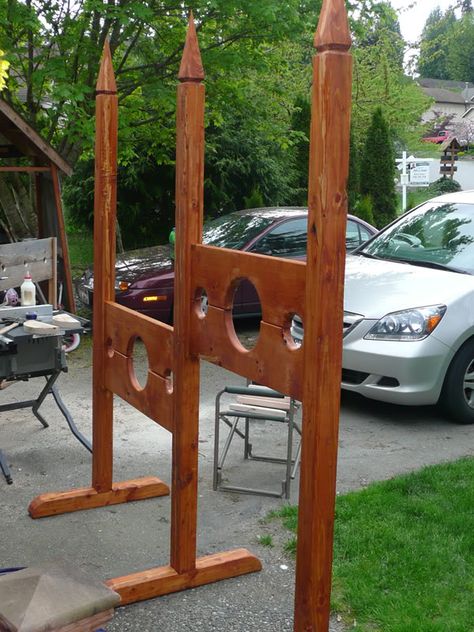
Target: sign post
415	172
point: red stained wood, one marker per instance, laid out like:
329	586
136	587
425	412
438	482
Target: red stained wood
191	68
329	153
164	580
55	503
105	202
280	283
189	216
123	325
274	361
154	400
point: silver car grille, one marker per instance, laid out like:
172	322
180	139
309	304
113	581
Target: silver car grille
350	321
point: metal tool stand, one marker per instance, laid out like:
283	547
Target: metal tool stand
34	404
26	359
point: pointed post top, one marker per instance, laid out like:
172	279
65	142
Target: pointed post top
191	65
333	27
106	79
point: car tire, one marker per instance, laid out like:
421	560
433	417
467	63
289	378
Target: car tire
457	396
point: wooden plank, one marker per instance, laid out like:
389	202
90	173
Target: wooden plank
164	580
327	215
55	503
20	129
71	301
154	400
273	362
189	216
35	255
218	271
53	281
25	169
123	325
105	203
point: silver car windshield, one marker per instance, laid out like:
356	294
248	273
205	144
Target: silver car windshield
433	235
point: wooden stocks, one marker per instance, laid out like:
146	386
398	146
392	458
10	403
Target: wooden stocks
327	201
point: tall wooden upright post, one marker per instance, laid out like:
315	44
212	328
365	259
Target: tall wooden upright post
104	265
327	201
189	215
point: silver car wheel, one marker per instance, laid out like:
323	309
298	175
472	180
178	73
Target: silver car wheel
468	385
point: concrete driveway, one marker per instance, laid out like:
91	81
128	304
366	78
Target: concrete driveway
377	441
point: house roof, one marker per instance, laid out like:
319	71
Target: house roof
444	84
19	139
440	95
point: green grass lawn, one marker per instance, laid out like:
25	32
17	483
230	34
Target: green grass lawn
404	552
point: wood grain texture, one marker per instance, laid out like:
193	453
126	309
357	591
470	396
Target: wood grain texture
154	400
38	256
164	580
189	217
123	325
327	202
55	503
218	271
105	203
273	362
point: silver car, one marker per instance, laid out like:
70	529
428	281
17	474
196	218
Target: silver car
409	310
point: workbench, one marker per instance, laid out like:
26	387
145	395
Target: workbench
25	356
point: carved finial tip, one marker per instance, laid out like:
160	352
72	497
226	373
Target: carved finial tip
106	78
333	27
191	65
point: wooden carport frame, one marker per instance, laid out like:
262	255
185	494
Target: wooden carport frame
310	373
25	142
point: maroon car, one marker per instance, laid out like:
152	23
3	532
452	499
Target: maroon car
145	277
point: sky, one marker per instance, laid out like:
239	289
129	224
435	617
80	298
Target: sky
412	15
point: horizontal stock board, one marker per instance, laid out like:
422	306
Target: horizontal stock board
37	256
280	283
123	327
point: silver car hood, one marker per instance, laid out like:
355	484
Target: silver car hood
375	287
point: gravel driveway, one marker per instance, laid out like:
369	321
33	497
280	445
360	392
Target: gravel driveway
377	441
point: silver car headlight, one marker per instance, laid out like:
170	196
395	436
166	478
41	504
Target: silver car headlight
410	324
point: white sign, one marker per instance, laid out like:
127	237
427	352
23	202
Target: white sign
420	174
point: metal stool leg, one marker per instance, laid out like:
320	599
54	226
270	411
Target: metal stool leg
5	469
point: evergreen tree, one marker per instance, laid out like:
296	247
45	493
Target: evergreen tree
466	6
353	185
378	170
434	45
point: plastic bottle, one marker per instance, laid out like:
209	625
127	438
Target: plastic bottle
28	291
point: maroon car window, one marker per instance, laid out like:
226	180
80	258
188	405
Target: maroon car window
288	239
235	230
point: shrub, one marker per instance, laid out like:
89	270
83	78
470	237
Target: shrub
445	185
364	209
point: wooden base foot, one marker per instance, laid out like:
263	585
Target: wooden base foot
163	580
55	503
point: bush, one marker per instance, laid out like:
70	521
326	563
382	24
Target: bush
445	185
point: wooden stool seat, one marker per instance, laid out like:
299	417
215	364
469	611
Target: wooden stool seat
52	598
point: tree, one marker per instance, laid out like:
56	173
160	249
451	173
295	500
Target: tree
460	53
378	170
435	43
